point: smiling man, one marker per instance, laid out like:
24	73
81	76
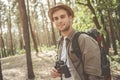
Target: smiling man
69	66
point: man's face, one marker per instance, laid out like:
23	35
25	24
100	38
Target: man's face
62	21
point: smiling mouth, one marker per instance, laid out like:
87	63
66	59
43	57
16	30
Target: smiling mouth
61	25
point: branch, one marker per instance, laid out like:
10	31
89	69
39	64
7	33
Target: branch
81	3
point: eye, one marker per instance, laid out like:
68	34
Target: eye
55	18
62	16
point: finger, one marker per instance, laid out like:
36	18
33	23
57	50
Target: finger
55	70
55	74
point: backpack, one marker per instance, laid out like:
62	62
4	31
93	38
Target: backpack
105	64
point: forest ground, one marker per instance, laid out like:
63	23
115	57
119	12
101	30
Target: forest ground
14	67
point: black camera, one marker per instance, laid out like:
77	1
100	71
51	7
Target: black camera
62	68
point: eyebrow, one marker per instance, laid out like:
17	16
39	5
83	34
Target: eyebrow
60	15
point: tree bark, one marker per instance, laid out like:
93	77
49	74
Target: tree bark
1	76
10	33
31	30
95	19
2	44
52	28
24	21
106	41
2	47
112	34
118	21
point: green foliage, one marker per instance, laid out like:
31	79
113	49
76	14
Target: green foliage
106	5
117	42
102	31
83	18
115	62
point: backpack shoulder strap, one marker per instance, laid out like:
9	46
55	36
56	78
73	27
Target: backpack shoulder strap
77	51
75	45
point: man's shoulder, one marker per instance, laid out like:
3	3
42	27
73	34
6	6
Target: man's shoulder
83	37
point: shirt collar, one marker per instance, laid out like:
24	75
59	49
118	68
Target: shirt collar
69	37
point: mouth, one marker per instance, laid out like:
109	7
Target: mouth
61	26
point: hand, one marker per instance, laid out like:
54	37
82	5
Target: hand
54	73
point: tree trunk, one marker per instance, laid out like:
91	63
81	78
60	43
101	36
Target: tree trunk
112	34
95	19
54	2
2	47
2	44
45	28
24	21
10	33
1	76
31	30
52	28
106	42
21	43
118	21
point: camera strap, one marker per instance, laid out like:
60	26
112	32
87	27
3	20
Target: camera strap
61	78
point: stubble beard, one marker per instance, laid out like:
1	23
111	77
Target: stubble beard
66	29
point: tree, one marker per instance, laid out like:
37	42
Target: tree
2	45
95	19
24	20
1	76
103	14
118	19
31	30
10	33
52	28
112	31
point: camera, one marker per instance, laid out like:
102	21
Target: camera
62	68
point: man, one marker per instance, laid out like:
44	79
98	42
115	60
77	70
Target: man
90	66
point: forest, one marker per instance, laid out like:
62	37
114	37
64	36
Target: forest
28	39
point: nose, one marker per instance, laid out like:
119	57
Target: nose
59	20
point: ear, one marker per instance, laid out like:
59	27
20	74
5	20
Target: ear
52	21
71	18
